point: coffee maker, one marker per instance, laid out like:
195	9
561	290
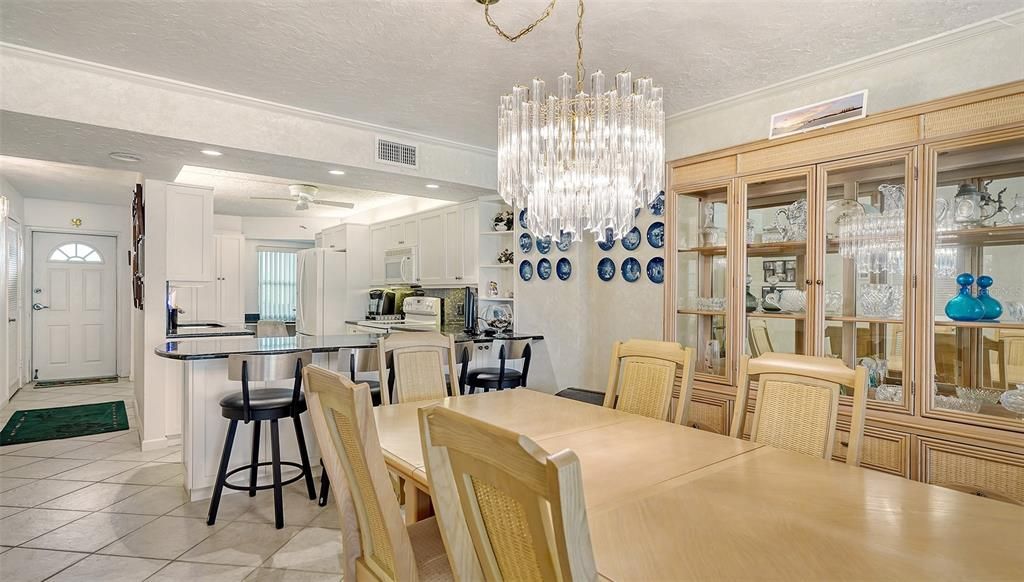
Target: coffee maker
381	304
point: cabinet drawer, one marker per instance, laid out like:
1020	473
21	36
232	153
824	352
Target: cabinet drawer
979	471
709	415
882	450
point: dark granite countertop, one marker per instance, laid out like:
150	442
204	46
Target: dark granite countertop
213	348
195	329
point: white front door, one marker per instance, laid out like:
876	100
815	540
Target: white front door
73	299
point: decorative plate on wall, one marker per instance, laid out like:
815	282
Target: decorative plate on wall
544	269
525	243
526	270
657	206
544	245
606	269
631	270
564	241
608	242
631	240
656	270
564	268
522	218
656	234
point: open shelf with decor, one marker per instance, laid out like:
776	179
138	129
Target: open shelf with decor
846	243
497	256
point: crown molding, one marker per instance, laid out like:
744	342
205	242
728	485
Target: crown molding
952	37
210	93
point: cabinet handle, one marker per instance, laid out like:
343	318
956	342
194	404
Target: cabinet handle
808	282
819	282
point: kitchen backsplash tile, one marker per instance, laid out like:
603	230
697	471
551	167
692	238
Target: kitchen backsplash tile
454	300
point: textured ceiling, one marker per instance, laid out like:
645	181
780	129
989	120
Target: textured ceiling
433	66
232	192
56	181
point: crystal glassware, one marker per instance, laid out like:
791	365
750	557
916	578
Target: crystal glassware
984	395
1013	400
958	404
1016	214
834	302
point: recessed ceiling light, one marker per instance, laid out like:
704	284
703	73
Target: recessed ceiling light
213	153
432	186
337	172
126	157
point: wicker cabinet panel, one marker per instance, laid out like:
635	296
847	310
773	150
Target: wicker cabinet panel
830	146
882	450
710	415
983	472
991	113
703	171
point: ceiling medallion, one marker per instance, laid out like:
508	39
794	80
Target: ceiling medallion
580	161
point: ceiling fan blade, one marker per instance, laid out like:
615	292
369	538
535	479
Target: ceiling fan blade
335	204
279	199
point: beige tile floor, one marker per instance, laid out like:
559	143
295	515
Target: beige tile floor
99	508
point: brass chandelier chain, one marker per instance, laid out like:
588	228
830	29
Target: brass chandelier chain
547	12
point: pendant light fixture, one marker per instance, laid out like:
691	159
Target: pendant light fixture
580	161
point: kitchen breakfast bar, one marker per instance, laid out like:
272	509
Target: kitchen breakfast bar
198	368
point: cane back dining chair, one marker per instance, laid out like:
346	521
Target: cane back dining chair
642	379
376	544
412	366
507	509
798	403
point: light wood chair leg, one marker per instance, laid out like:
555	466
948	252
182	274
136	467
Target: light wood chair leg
417	503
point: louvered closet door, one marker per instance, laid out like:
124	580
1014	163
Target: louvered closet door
73	299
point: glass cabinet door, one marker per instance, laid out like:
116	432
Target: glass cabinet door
775	222
701	278
866	269
977	269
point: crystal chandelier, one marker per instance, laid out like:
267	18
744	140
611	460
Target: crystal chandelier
580	161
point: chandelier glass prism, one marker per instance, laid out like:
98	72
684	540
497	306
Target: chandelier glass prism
581	161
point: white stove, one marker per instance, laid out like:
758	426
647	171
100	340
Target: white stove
421	314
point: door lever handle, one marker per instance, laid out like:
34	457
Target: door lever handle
39	307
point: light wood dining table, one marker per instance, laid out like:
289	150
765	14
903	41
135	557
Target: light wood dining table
668	502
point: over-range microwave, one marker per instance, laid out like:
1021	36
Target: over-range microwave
401	265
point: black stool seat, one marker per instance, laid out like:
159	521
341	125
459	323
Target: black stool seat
488	378
264	404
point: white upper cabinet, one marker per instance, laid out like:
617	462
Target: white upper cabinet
230	289
378	244
411	232
470	242
431	249
334	237
453	244
190	245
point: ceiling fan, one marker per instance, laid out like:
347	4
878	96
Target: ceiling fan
303	195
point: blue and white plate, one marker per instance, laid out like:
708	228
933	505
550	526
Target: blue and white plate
525	243
564	268
564	241
631	240
606	269
526	270
657	206
631	270
656	270
544	269
609	240
522	218
656	234
544	245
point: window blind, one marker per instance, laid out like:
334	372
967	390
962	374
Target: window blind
278	284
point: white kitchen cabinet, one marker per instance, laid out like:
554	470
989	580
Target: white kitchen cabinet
229	285
338	237
470	242
411	232
453	244
431	249
378	244
191	252
318	240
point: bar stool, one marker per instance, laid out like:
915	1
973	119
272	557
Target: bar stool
502	377
258	405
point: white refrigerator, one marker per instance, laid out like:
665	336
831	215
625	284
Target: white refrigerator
330	286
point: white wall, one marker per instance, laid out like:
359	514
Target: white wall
386	212
106	219
280	228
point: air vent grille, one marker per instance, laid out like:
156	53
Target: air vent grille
393	152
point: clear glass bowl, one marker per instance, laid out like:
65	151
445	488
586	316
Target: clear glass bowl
959	404
984	395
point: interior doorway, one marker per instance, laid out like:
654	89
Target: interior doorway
74	306
13	252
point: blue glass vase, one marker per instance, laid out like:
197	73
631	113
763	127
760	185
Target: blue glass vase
964	307
993	308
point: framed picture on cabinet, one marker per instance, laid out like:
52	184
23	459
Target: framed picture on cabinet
819	115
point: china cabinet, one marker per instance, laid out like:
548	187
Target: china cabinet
847	242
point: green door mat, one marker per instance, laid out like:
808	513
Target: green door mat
29	426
